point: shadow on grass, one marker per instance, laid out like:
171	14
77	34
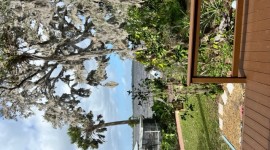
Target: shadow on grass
205	127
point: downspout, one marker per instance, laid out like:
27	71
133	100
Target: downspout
227	142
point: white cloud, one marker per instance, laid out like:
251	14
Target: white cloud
33	134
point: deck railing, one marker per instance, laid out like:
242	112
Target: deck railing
194	43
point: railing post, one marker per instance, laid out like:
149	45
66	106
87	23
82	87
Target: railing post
237	37
194	39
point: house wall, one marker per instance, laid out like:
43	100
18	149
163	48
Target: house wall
255	65
151	135
139	73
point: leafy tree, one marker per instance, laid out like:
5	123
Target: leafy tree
47	43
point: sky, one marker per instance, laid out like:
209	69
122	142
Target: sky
34	133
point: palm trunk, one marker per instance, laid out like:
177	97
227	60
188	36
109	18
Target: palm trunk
120	122
130	121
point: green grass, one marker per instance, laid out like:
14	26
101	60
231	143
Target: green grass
200	128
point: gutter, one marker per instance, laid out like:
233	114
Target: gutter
227	142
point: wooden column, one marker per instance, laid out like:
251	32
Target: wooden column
237	37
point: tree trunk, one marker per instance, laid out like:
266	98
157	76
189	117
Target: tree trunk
120	122
132	121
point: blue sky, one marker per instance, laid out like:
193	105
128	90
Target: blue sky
34	133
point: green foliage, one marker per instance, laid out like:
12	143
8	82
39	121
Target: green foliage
212	11
215	53
153	19
215	59
76	136
148	26
169	141
159	26
164	113
181	53
156	85
88	132
147	87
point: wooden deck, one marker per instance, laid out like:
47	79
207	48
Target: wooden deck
255	65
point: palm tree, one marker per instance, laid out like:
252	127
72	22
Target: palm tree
90	133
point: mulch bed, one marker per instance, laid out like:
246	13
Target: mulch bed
232	117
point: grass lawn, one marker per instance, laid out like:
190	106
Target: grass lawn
200	128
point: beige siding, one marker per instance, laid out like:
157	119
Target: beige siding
255	65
